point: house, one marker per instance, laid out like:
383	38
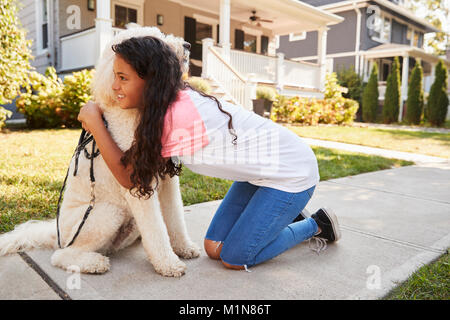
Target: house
233	42
373	31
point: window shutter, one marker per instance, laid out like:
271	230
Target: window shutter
190	31
264	44
218	34
238	39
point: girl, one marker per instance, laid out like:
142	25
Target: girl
274	171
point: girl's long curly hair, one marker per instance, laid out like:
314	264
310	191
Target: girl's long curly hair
156	63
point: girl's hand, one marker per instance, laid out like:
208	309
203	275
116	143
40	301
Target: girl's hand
90	116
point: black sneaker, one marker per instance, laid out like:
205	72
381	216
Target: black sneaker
302	216
328	224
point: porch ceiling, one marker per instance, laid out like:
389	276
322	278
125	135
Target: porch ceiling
392	50
287	15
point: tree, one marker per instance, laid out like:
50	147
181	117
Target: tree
437	12
392	96
437	105
370	97
15	52
415	99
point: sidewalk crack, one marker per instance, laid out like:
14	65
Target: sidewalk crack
52	284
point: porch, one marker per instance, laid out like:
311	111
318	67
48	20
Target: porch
233	44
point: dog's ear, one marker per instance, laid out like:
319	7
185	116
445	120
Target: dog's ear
103	78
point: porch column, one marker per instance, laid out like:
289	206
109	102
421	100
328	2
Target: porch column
224	28
405	69
279	71
103	26
322	55
206	44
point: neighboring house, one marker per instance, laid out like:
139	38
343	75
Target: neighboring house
233	42
360	41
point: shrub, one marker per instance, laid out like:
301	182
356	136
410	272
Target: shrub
15	52
314	111
332	88
437	104
415	100
266	93
200	84
3	115
392	97
370	97
349	79
48	102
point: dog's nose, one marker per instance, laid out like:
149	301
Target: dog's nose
187	45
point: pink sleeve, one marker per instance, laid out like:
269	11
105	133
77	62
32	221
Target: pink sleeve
184	130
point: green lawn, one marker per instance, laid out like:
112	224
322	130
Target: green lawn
431	282
33	165
433	144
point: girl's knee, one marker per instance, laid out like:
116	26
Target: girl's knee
231	266
213	248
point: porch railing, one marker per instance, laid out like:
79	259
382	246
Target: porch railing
235	86
75	53
237	72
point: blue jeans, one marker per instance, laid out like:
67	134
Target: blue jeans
255	223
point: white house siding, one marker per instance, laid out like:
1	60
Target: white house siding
27	16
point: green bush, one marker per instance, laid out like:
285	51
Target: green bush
415	99
370	97
200	84
437	104
392	97
48	102
313	111
266	93
349	79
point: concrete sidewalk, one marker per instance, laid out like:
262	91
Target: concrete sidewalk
393	221
415	157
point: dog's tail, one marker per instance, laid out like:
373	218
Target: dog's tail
29	235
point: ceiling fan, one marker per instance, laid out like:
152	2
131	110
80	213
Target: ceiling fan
255	19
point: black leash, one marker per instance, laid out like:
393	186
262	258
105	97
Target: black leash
85	139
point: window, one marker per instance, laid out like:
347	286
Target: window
386	32
249	43
381	29
297	36
124	15
409	34
416	39
41	25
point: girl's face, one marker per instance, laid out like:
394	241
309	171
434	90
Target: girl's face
127	85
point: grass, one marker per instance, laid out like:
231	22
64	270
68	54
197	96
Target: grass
430	282
33	165
428	143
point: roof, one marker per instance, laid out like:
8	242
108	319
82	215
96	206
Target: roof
348	4
395	49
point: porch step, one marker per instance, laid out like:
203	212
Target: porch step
216	91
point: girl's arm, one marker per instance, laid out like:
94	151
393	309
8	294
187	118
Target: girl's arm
91	118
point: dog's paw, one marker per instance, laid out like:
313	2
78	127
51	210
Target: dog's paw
174	269
79	261
188	251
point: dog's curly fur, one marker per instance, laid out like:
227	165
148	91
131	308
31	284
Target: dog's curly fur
118	218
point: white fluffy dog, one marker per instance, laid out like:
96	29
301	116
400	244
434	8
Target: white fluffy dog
117	218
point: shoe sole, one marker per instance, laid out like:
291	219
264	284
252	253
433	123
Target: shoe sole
335	224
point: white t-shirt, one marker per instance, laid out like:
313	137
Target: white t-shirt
266	153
